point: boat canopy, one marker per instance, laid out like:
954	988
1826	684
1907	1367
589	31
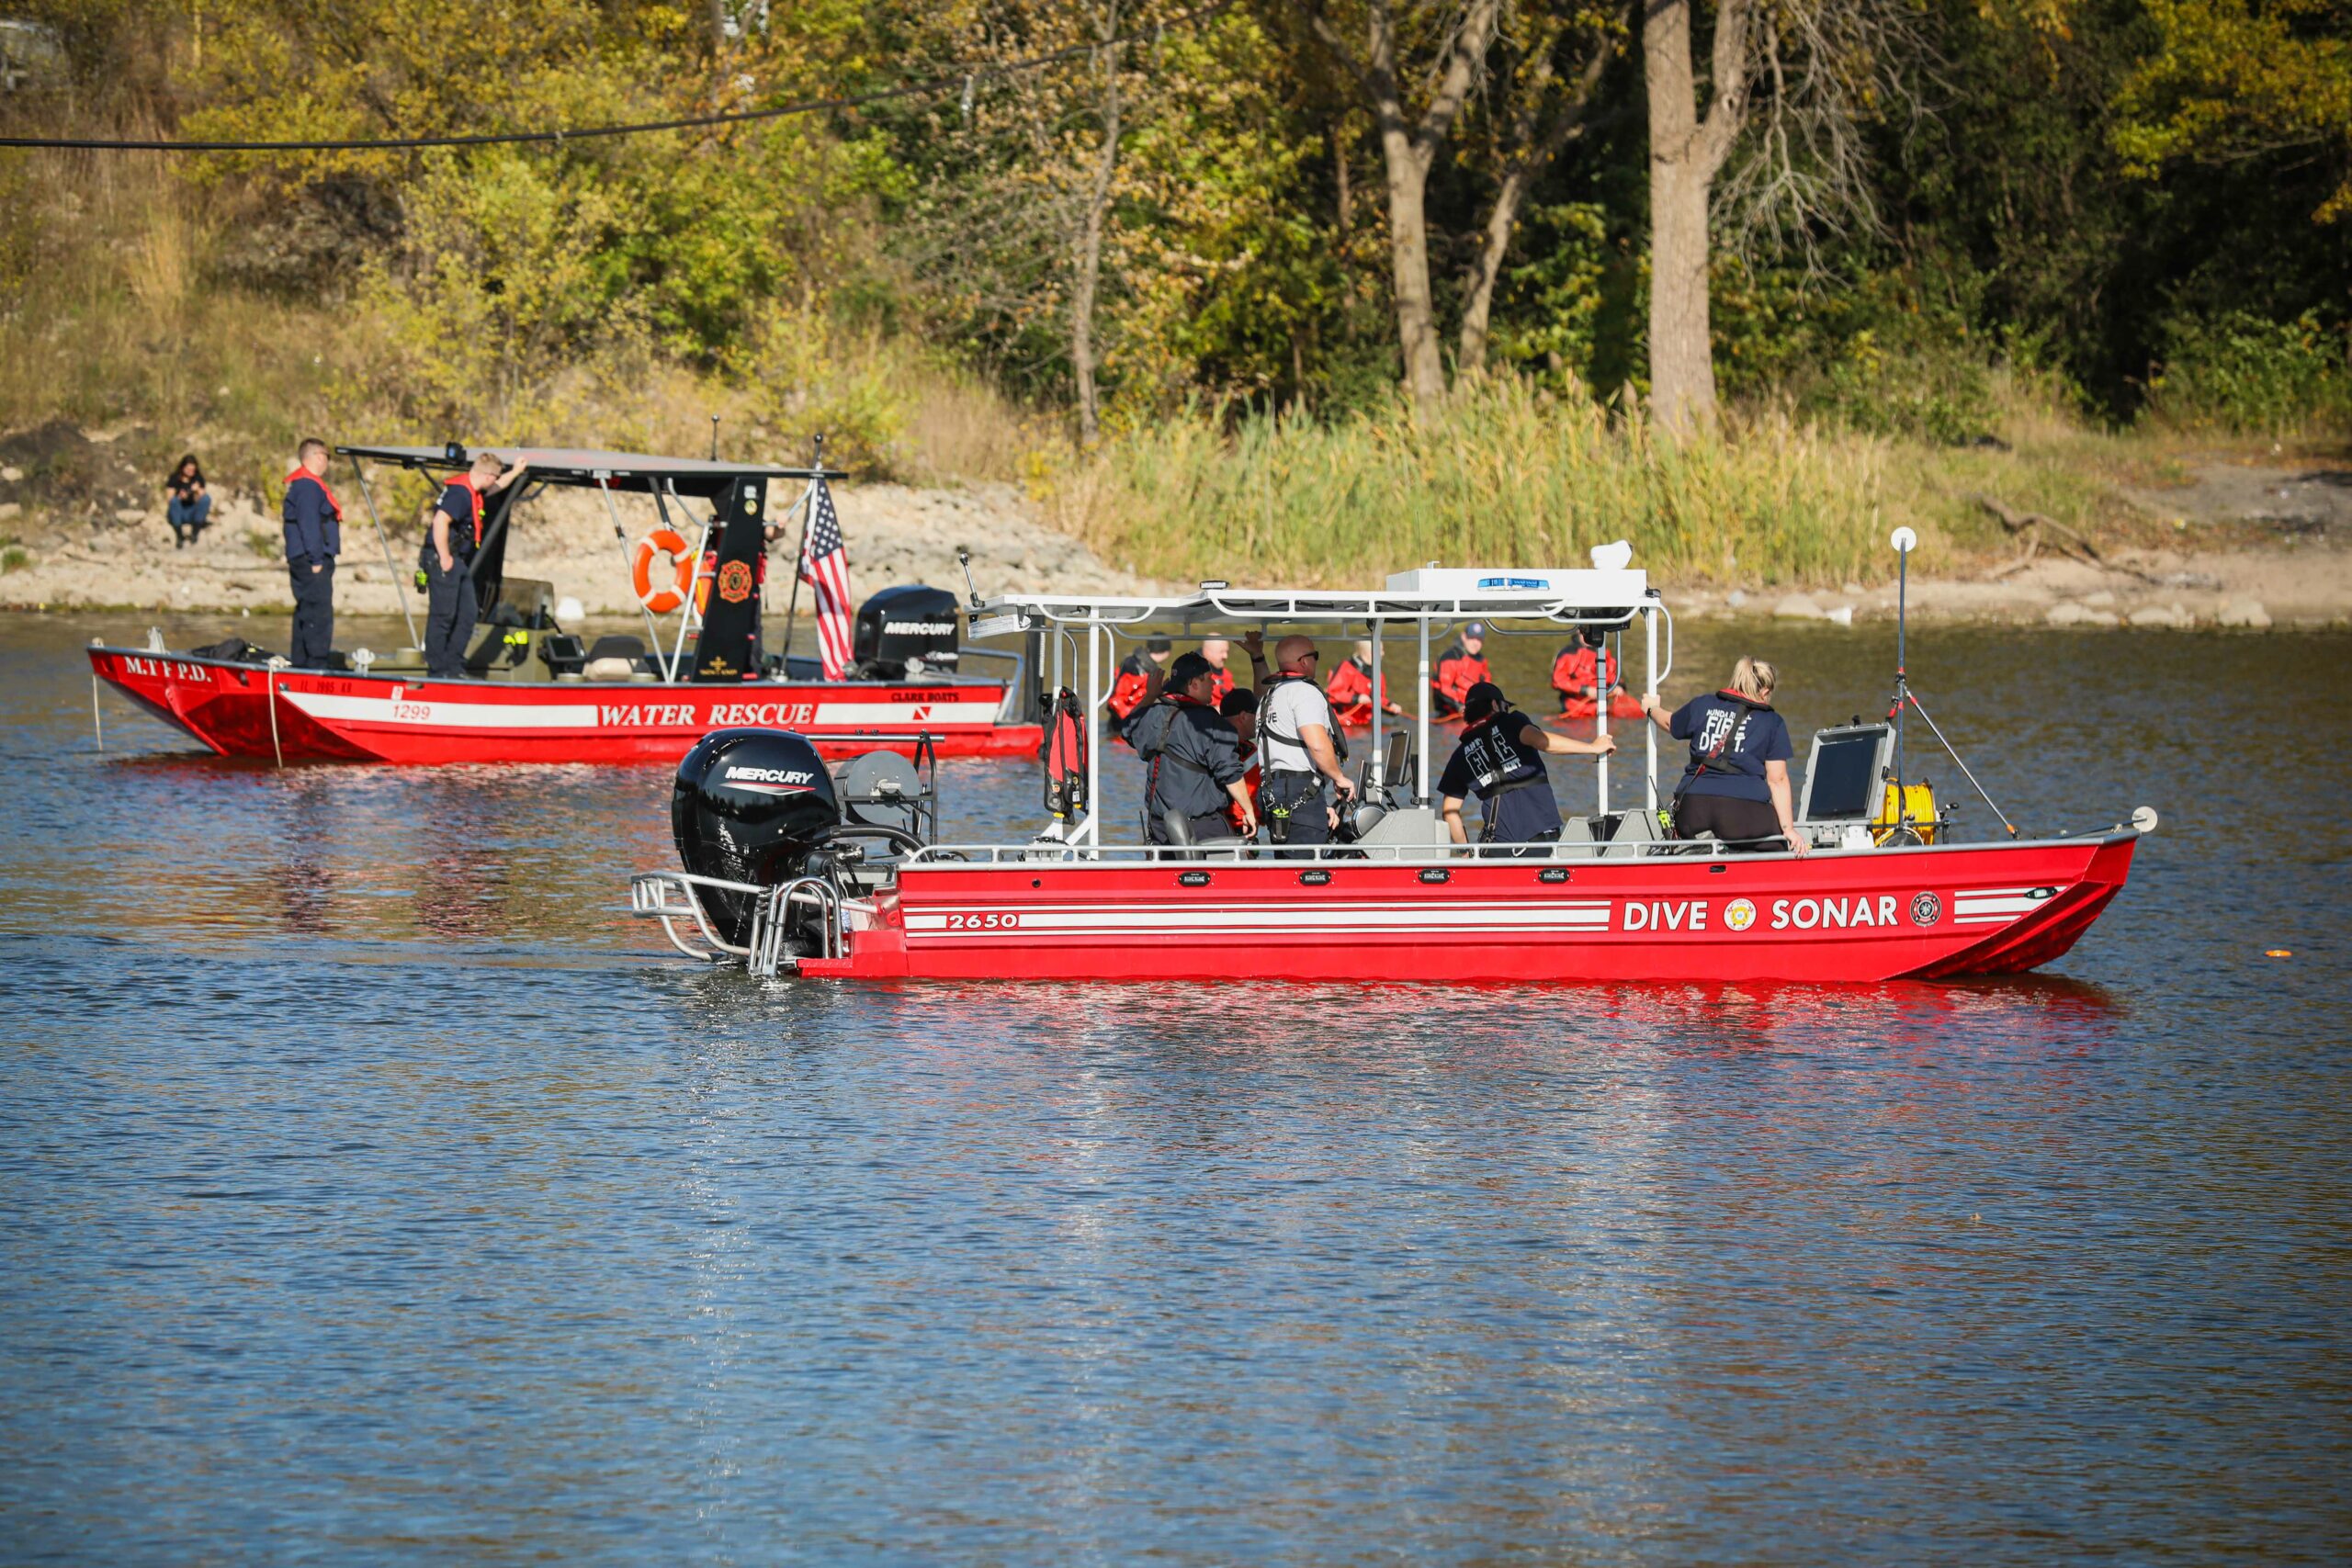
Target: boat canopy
590	470
1572	596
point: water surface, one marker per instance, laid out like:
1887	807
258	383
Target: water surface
370	1190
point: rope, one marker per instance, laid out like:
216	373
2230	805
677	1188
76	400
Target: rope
955	81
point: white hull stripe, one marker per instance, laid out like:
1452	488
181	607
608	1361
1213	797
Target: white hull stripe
1320	922
433	714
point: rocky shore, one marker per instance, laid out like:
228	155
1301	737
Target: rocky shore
79	529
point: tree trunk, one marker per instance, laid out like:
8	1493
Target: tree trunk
1682	361
1478	298
1685	154
1408	260
1090	247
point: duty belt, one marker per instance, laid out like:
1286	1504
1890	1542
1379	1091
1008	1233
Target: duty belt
1278	814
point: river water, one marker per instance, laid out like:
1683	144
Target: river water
372	1191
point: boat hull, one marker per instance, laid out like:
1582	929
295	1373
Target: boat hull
250	710
1864	916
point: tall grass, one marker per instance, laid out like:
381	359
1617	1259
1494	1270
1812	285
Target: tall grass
1500	474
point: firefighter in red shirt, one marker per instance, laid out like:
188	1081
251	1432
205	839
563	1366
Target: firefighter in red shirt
1352	690
1140	675
1459	668
1573	677
1217	651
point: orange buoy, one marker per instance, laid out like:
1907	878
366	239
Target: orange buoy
2278	952
663	599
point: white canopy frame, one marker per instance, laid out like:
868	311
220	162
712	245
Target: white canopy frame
1524	603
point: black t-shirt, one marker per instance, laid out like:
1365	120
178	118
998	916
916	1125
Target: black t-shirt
458	502
1756	736
1503	773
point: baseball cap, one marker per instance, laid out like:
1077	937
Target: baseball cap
1483	699
1475	629
1156	645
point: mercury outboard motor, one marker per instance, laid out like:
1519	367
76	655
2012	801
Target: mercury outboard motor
750	806
904	630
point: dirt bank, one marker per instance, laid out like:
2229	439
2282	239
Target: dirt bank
2243	548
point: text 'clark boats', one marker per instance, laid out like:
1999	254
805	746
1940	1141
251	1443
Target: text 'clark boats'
533	693
790	871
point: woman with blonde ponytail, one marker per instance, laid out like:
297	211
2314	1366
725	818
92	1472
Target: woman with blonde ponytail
1736	785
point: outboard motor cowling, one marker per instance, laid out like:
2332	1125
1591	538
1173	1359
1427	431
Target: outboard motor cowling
750	806
899	628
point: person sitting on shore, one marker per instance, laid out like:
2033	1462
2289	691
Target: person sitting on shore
1736	785
189	505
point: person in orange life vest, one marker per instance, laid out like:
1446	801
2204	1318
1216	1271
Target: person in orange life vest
313	521
1140	675
1572	672
1217	651
453	536
1459	668
1350	689
1239	709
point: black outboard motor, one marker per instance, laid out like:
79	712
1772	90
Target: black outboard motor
900	627
750	806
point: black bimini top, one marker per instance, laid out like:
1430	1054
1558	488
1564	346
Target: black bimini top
588	470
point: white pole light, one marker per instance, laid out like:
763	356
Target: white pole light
1904	540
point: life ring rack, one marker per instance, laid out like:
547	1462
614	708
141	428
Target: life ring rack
654	594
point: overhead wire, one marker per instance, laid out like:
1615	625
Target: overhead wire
957	79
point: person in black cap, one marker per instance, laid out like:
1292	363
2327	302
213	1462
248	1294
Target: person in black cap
1194	755
1459	668
1139	678
1501	760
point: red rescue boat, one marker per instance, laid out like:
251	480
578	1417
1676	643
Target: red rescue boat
779	878
533	693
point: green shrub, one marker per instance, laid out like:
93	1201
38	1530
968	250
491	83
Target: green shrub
2242	374
13	558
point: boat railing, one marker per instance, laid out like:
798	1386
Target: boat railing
673	899
1055	853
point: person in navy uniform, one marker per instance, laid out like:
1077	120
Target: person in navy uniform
313	521
1736	785
1501	760
1195	757
453	535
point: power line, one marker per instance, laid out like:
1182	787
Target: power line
958	80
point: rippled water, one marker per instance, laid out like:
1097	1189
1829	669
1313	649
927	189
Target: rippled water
371	1191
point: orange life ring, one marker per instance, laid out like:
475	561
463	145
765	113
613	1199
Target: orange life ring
664	599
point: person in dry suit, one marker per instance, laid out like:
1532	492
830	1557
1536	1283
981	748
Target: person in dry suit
1193	757
1501	760
1140	677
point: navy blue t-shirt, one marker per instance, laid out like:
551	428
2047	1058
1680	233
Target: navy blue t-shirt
1756	736
1492	757
458	502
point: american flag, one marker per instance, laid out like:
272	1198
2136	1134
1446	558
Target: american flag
824	566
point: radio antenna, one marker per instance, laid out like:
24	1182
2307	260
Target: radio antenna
963	559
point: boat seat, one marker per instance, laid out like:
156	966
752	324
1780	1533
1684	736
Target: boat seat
1408	827
1575	842
608	670
1630	834
614	647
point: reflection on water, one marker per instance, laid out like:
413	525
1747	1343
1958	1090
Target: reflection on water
374	1191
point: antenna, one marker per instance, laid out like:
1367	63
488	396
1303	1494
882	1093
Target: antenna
714	438
1905	541
963	559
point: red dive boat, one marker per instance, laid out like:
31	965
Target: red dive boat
534	693
789	874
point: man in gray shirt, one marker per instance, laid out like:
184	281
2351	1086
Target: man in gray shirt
1305	775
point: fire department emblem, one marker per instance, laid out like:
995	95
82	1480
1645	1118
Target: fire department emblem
1927	909
735	581
1739	914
